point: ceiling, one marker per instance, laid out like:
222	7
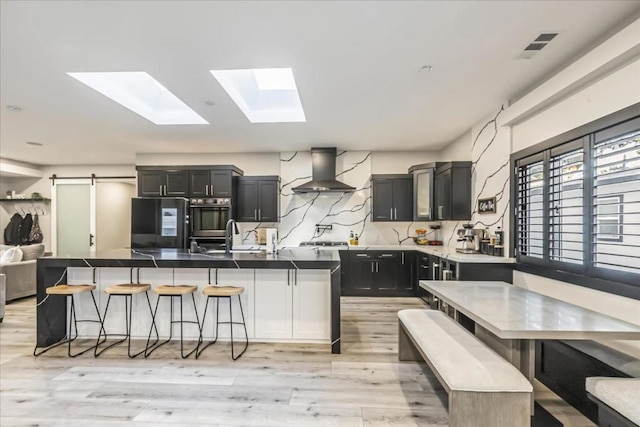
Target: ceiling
356	65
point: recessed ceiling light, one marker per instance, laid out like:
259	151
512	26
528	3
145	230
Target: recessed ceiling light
142	94
14	108
34	143
264	95
426	68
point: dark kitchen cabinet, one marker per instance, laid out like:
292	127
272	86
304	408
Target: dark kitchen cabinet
423	189
407	272
392	197
163	183
200	183
257	199
379	273
216	183
452	191
221	183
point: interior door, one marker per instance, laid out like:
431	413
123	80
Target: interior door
73	219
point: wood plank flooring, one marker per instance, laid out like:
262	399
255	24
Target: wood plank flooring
271	385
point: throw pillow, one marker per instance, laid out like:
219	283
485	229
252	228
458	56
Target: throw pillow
11	255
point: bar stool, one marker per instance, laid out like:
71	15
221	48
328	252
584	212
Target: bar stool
173	291
218	292
69	291
127	291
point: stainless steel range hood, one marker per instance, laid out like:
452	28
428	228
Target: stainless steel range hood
323	166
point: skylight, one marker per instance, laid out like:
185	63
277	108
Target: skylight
142	94
265	95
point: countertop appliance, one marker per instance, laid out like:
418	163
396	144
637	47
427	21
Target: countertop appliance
470	239
160	222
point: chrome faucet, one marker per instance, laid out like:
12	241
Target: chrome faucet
228	237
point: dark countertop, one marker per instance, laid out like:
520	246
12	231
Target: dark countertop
175	258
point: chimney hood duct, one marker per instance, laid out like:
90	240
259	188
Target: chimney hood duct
323	165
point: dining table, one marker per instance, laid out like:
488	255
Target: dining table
510	318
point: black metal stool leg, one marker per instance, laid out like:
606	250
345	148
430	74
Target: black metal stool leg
246	344
201	338
150	349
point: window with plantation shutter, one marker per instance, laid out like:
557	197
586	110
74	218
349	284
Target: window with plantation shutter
616	202
530	209
576	202
566	204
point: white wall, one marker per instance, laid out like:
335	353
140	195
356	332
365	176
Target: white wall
390	162
615	91
458	150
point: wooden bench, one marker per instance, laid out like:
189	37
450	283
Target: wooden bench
484	389
618	400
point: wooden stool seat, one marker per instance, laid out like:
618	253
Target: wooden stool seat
175	289
69	289
222	291
127	288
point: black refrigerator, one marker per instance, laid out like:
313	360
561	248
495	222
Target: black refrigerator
160	222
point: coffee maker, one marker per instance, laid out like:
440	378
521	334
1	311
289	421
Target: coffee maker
470	239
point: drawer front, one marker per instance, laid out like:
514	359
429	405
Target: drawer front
374	254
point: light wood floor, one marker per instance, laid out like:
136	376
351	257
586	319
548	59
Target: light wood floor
271	385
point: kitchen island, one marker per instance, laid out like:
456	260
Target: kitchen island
291	296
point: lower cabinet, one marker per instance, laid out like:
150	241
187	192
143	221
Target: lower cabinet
380	273
273	309
311	304
293	304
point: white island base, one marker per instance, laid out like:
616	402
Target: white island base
280	305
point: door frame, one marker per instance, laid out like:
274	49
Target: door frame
54	210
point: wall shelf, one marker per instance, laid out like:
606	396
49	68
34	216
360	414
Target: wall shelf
25	206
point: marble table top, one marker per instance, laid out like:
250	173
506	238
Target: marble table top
511	312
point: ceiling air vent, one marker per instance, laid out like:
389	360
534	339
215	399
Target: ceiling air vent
537	45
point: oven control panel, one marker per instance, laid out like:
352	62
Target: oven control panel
211	202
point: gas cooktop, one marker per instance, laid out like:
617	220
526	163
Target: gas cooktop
324	243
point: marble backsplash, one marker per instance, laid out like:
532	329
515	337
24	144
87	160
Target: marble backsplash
344	212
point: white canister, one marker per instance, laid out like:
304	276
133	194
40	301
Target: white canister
271	235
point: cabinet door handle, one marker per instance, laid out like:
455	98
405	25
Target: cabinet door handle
402	253
362	255
288	277
440	209
390	213
395	213
426	267
259	215
377	267
386	255
211	189
255	214
372	269
206	190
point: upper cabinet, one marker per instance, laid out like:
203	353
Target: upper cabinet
163	183
186	181
212	182
392	197
452	191
423	177
257	199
